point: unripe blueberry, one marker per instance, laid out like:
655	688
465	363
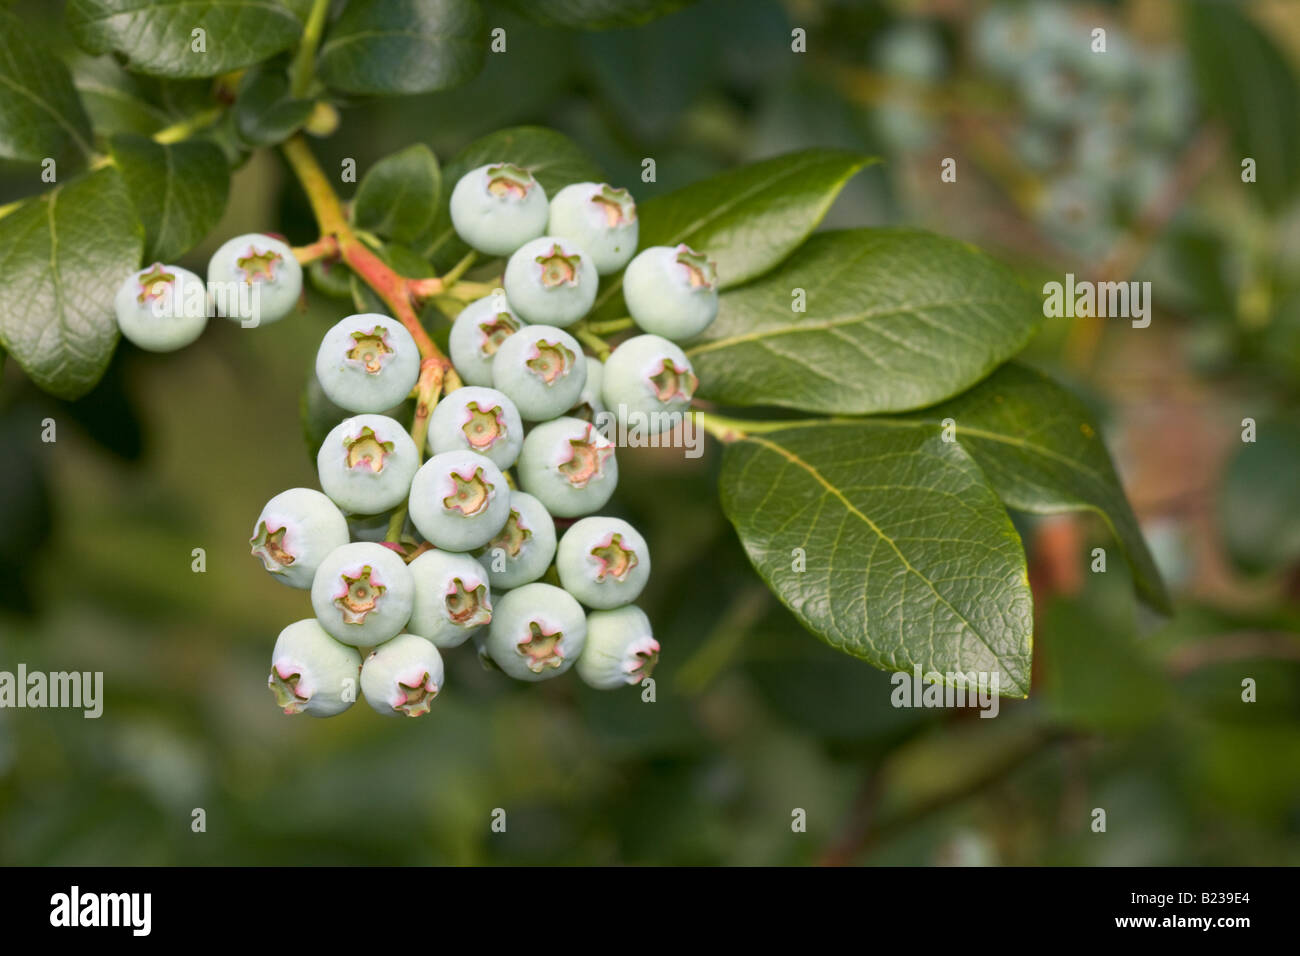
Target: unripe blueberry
569	466
367	363
522	550
912	51
498	207
590	404
476	335
255	279
366	463
621	649
452	597
161	308
671	291
1050	90
362	594
600	219
648	383
295	532
603	562
459	500
402	677
537	632
311	673
542	370
551	280
477	419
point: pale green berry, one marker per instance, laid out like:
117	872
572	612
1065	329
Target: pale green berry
362	594
459	500
537	632
452	597
620	650
294	533
161	308
254	279
367	363
600	219
569	466
522	550
311	672
603	562
402	677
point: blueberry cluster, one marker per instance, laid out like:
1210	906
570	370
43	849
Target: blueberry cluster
1101	128
498	525
252	279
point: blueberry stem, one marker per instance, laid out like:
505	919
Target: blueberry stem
727	430
323	248
610	326
303	70
427	389
393	289
593	341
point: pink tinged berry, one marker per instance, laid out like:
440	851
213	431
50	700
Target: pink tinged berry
369	349
258	266
471	495
496	330
642	660
587	457
156	283
541	649
508	180
286	684
551	361
415	693
268	545
557	269
484	428
468	606
365	450
359	596
701	272
671	381
512	538
613	559
616	205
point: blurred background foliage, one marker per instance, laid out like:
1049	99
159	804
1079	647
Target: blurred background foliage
1132	171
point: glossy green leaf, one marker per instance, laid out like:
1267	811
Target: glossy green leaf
749	219
40	113
1245	80
392	47
1043	453
179	191
116	101
266	114
1259	504
596	14
398	196
886	543
896	319
184	37
553	158
62	257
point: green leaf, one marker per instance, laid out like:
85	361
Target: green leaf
1042	452
390	47
750	218
910	559
398	196
1245	80
116	100
161	37
595	14
62	257
1258	506
553	158
265	112
896	319
40	114
179	191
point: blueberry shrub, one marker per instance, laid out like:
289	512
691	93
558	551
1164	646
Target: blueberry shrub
511	320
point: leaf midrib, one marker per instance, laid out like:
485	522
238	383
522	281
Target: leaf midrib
794	459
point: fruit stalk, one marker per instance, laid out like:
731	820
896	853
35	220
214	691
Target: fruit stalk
394	289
